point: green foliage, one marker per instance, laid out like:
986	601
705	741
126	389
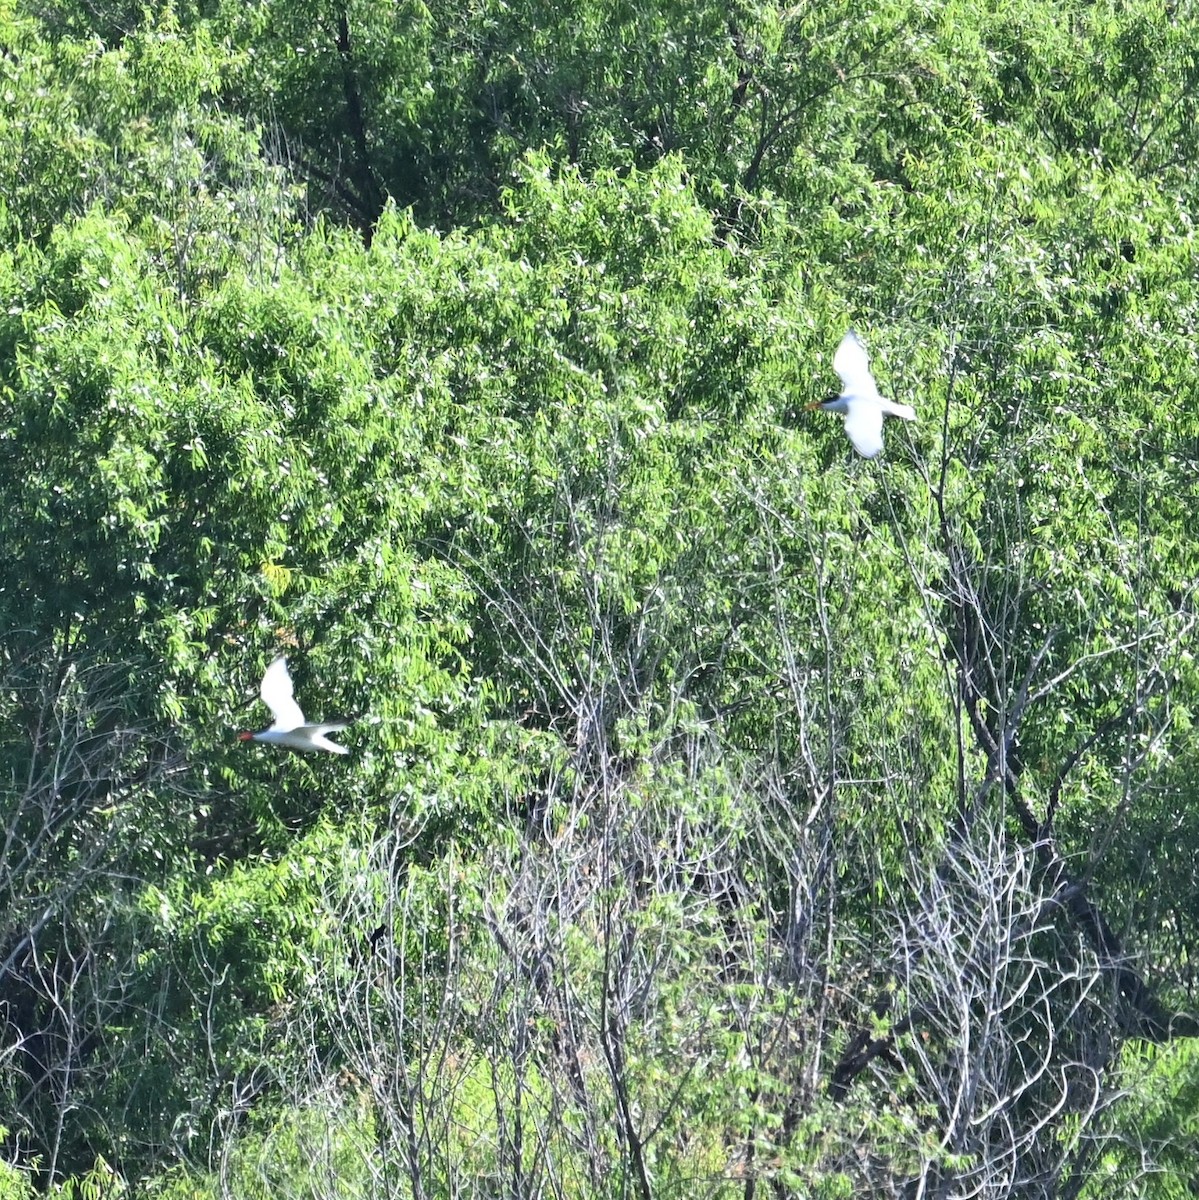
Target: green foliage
137	129
14	1183
315	1152
674	716
1155	1159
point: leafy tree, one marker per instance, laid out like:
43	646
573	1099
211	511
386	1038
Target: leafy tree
715	790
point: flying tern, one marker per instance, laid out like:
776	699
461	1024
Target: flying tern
289	728
859	398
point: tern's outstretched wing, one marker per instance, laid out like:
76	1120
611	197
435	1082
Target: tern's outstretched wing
852	363
864	426
276	693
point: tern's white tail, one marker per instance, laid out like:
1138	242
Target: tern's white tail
898	410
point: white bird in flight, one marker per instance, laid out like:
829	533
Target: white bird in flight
859	400
289	728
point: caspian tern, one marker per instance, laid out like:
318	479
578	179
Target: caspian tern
289	729
859	400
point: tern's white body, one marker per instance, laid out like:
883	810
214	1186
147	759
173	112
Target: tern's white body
859	400
289	728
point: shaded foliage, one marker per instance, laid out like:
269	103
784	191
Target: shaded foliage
727	814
